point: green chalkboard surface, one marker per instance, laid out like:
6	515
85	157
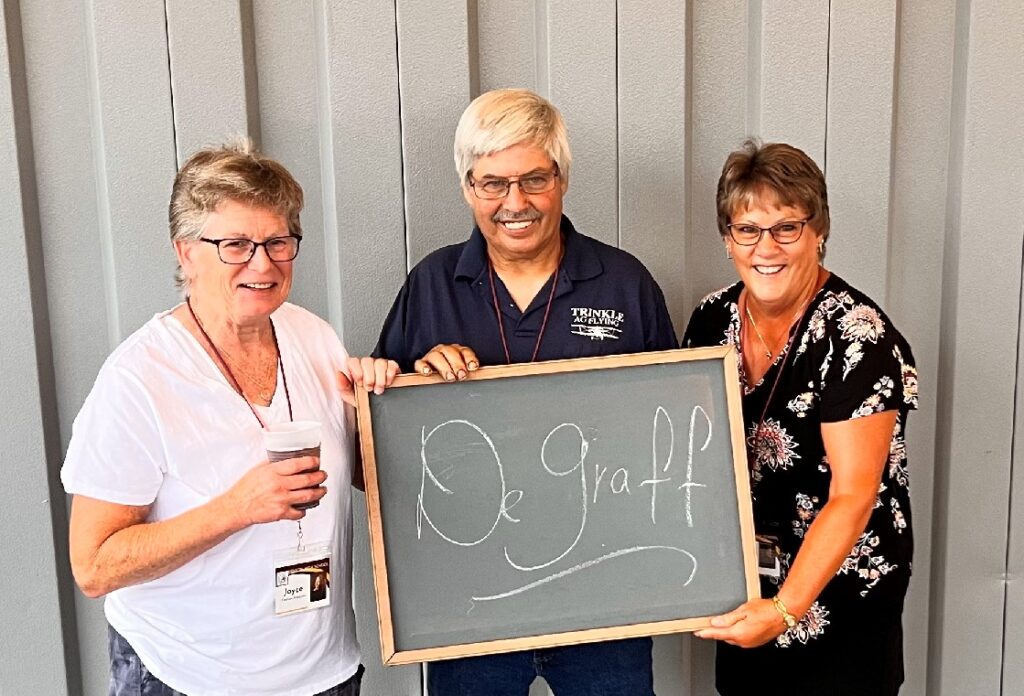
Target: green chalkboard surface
555	503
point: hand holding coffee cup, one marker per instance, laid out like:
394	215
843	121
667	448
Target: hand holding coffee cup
293	440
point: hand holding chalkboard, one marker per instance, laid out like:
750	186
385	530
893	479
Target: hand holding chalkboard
449	360
555	503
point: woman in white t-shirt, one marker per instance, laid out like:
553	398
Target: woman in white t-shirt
219	576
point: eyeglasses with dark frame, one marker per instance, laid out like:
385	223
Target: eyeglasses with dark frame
239	250
785	232
530	184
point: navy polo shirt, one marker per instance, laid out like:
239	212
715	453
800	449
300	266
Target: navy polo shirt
605	303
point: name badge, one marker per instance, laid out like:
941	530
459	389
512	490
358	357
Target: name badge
768	554
302	579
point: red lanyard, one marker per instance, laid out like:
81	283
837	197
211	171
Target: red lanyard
231	375
501	323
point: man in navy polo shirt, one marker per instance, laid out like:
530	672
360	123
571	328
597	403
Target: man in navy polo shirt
525	286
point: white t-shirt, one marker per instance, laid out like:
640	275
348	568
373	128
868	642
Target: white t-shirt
163	426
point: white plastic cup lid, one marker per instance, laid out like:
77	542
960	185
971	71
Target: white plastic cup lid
288	437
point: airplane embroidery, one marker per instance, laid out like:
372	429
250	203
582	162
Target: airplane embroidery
596	332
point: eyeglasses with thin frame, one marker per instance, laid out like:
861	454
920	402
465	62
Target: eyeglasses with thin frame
239	250
531	184
785	232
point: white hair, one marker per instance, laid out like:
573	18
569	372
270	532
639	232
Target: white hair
499	119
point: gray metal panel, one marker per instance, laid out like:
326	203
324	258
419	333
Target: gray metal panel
60	85
718	126
328	74
539	688
134	148
31	510
287	59
378	679
789	47
653	142
434	80
102	197
581	54
981	304
914	284
506	39
361	165
860	119
717	36
59	81
209	72
1013	647
363	218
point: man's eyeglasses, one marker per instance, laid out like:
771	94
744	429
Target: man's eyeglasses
494	188
745	234
240	250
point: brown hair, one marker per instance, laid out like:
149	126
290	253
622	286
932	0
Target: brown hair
234	171
780	173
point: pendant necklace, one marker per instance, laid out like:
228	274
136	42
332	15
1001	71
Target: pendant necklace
764	343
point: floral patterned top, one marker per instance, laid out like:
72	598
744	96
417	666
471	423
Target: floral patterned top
848	361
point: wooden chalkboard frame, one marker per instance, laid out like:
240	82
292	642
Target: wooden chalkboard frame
391	656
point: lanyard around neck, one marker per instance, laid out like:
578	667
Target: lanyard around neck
793	333
231	375
501	323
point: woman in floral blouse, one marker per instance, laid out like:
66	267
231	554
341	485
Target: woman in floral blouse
828	382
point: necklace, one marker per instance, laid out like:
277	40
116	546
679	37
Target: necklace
231	375
544	322
796	319
264	381
764	343
760	435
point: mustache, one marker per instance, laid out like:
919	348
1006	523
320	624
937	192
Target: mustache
528	215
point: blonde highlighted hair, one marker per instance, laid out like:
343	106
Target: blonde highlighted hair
234	171
499	119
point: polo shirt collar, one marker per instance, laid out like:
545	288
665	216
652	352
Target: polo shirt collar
580	262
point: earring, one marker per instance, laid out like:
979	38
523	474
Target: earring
821	248
728	252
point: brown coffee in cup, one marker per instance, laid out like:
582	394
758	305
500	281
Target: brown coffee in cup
293	440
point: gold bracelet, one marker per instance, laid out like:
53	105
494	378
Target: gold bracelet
786	616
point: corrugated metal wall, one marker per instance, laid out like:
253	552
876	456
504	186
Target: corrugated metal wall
912	107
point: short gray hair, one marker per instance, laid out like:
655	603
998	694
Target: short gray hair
234	171
499	119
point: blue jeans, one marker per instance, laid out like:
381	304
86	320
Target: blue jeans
617	668
129	677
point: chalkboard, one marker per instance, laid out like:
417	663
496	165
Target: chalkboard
555	503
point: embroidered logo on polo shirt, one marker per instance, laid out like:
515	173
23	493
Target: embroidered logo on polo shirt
597	324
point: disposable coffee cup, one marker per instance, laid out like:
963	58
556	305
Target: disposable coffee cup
291	440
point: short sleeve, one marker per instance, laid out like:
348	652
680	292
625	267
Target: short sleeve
116	452
696	329
336	352
659	332
708	323
392	341
337	357
864	365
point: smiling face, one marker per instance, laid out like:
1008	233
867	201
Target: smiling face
519	227
779	277
241	294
